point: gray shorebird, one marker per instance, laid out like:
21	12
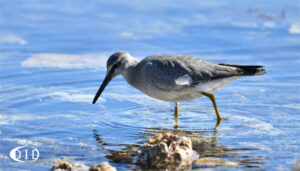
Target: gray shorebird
175	78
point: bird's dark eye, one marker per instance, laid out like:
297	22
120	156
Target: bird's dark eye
117	64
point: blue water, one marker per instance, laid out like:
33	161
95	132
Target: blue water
52	61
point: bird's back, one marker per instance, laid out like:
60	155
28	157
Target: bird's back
174	66
159	74
198	69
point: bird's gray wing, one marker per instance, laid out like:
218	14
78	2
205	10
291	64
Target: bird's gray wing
167	72
162	72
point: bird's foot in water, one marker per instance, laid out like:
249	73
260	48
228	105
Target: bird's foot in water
219	121
175	123
222	118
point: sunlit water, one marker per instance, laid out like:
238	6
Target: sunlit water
52	61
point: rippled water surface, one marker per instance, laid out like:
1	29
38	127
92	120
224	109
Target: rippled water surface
52	61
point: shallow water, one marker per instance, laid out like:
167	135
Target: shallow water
53	57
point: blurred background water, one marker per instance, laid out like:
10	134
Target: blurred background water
52	61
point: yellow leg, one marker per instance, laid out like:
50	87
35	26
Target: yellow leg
212	98
176	110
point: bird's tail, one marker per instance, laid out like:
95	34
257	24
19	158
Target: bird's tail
248	70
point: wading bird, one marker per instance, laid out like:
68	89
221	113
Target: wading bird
175	78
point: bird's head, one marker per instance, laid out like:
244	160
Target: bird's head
116	64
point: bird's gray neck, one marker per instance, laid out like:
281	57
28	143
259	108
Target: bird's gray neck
130	71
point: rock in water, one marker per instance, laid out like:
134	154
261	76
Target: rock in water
105	166
167	151
68	166
64	165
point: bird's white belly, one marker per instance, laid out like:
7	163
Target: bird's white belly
187	93
214	85
173	96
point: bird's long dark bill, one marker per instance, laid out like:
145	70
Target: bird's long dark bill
107	79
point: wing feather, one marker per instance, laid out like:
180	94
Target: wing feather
167	72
